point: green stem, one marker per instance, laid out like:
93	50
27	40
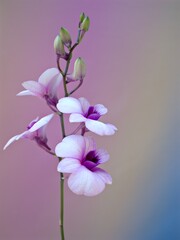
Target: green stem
62	206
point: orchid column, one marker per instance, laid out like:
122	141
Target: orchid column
77	154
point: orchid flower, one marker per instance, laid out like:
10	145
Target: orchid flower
46	86
81	158
81	111
35	131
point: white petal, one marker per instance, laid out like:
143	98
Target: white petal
90	145
25	93
106	177
103	155
85	182
48	75
69	105
72	146
68	165
11	140
34	87
43	121
101	109
99	127
76	117
53	85
84	104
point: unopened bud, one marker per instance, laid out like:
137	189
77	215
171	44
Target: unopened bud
85	24
59	46
65	37
79	69
81	18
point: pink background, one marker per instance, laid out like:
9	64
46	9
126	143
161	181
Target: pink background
132	54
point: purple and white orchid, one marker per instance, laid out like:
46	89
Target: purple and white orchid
35	131
46	86
81	111
81	159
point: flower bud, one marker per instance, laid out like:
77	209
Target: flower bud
85	24
81	18
59	46
65	37
79	69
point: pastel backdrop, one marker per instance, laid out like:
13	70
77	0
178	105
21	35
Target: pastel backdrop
132	54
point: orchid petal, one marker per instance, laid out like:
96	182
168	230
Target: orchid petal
72	146
84	104
85	182
34	87
103	155
106	177
25	93
99	127
68	165
53	85
43	121
101	109
48	75
69	105
11	140
90	145
77	117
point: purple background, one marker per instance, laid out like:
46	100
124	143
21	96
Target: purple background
132	54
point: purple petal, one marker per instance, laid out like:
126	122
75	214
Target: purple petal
99	127
68	165
34	87
106	177
43	121
72	146
101	109
84	104
103	155
69	105
85	182
47	76
77	117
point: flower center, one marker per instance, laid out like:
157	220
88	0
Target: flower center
91	160
92	114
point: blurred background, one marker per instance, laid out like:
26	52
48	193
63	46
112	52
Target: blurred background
133	67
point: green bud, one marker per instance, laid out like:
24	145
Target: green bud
59	46
81	18
65	37
85	24
79	69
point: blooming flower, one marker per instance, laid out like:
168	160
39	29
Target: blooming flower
45	87
81	111
35	131
81	158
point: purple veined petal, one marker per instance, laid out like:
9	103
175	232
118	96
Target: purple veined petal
99	127
26	93
53	85
103	155
36	88
84	104
106	177
76	117
90	145
11	140
72	146
85	182
47	76
68	165
69	105
43	121
101	109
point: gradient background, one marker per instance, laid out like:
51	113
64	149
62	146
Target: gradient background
132	52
